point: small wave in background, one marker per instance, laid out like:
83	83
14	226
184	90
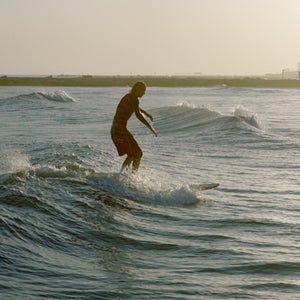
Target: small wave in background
56	96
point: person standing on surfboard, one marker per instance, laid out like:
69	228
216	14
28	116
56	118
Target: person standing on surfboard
122	138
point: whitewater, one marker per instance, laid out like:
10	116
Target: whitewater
72	227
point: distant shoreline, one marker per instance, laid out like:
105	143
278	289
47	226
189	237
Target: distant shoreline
157	81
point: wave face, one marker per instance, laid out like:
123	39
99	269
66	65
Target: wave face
71	226
186	118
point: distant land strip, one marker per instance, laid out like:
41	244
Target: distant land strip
155	81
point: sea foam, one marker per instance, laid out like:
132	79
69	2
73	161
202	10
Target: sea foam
249	117
13	161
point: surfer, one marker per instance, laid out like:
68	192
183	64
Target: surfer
122	138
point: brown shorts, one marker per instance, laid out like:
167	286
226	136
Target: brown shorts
126	144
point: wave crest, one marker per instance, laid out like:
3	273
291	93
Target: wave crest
249	117
146	189
56	96
186	118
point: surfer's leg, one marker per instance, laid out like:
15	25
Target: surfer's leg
136	162
127	163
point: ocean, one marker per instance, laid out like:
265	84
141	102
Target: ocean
72	227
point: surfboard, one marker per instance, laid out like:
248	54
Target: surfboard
204	187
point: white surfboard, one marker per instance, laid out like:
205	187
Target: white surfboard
204	187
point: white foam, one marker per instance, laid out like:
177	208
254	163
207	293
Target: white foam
248	116
148	188
57	96
185	103
49	171
13	161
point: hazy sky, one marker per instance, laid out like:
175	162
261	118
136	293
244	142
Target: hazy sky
242	37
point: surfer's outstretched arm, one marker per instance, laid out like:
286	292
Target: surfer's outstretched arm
144	121
139	114
147	114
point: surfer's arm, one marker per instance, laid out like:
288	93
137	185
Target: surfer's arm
147	114
139	114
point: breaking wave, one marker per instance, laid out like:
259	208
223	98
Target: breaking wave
187	118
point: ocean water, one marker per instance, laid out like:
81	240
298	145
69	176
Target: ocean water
72	227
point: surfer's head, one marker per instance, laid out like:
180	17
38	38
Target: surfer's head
138	89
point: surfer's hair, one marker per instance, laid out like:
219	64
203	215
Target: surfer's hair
137	86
